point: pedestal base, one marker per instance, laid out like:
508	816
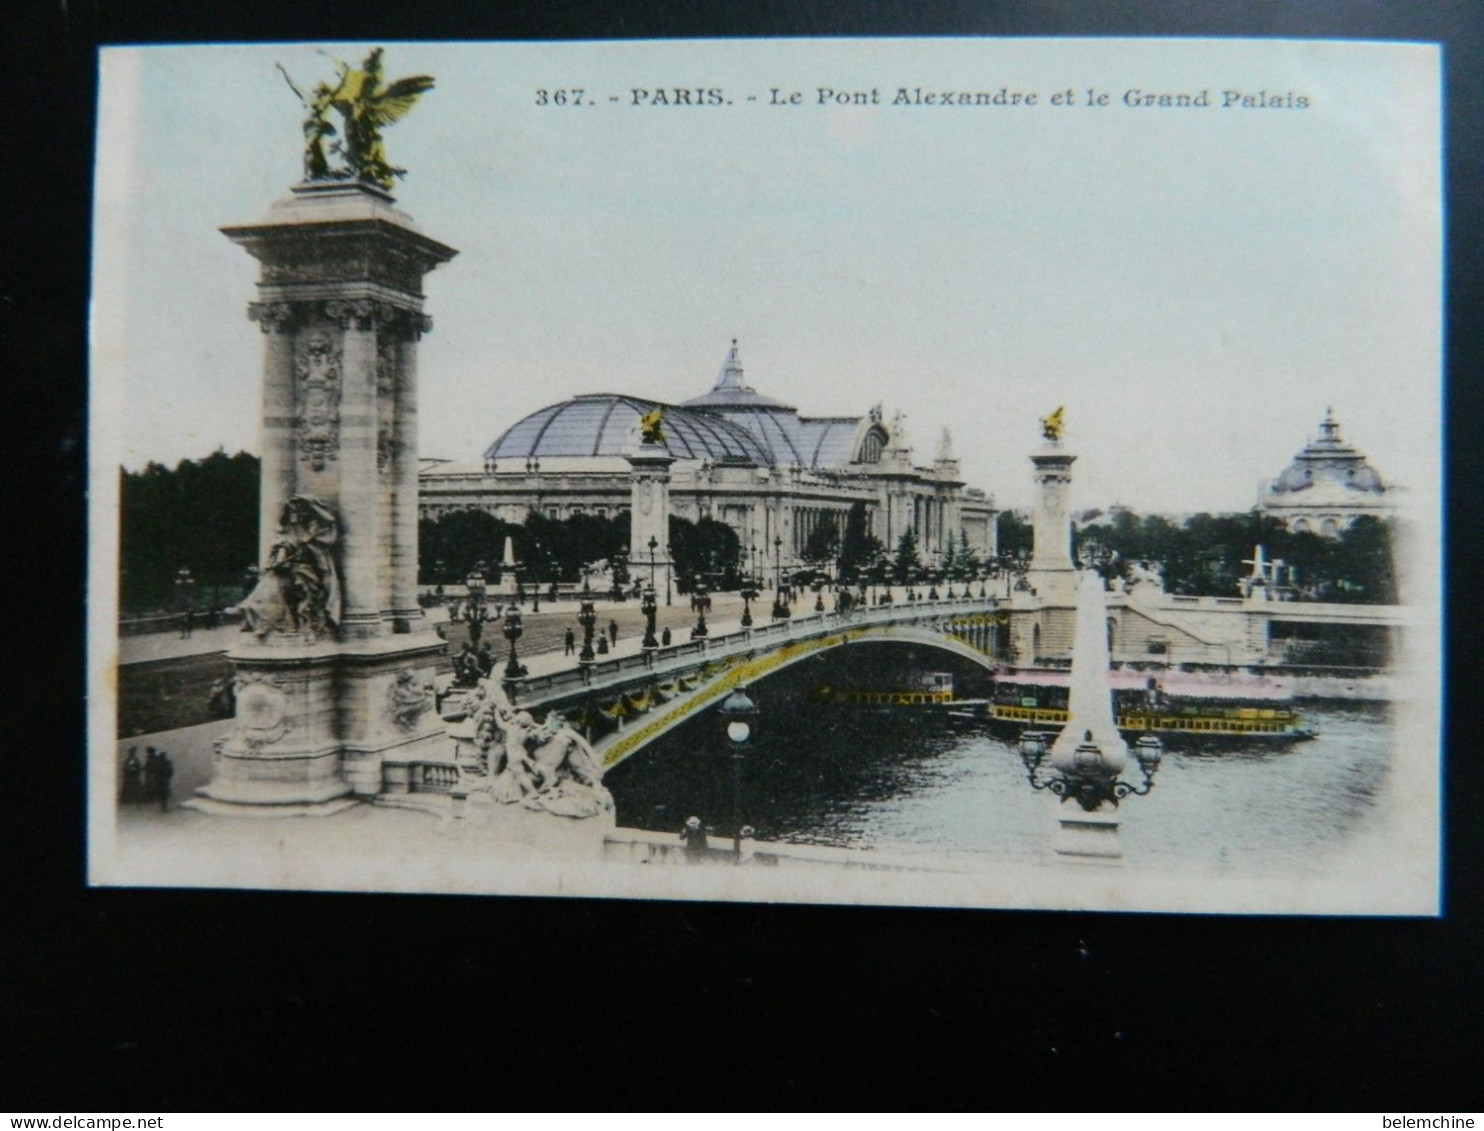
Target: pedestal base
1087	838
216	808
316	721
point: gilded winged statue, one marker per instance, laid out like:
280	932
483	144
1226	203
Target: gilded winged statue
1053	425
366	106
652	427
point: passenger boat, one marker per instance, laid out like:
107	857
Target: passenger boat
1192	705
930	689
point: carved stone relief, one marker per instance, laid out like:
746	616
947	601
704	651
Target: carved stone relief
388	349
262	708
406	699
317	375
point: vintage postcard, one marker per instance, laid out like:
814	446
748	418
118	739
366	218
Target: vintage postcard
985	473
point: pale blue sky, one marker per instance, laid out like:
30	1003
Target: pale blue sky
1194	285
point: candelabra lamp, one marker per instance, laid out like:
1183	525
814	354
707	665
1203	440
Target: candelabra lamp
649	605
513	630
1090	775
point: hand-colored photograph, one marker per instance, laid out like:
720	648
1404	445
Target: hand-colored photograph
967	473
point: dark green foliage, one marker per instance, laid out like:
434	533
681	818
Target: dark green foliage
201	515
1205	555
859	549
546	549
823	542
907	562
1015	536
706	550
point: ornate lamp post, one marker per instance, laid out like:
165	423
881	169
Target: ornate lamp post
738	714
476	612
185	589
649	606
185	595
1090	775
703	604
587	616
819	596
780	607
514	669
620	571
749	594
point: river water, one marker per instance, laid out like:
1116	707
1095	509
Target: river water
844	778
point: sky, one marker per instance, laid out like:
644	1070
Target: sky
1195	284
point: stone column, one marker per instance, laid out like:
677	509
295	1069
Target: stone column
649	518
362	537
1051	572
331	688
406	612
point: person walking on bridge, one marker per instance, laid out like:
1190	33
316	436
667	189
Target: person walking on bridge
613	632
571	642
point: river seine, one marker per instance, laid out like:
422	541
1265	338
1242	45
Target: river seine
840	777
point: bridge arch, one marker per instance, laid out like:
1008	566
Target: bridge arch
623	744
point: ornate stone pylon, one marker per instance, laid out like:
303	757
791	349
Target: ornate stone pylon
649	490
1051	572
335	665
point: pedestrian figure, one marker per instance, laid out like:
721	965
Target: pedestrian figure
693	836
132	785
486	660
602	645
151	773
613	632
665	636
224	698
187	622
571	642
746	845
163	774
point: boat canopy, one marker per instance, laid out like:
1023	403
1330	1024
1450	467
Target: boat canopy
1181	685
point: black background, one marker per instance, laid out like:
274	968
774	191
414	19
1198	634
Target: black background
144	1001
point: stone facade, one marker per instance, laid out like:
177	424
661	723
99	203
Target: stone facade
1327	486
738	457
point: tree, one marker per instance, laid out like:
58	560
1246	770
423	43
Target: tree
907	562
707	550
966	561
1016	535
201	516
859	549
823	543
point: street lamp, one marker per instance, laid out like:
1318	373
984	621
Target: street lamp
514	669
1089	775
819	596
738	714
185	593
702	601
476	612
587	616
649	605
749	594
780	609
185	588
653	545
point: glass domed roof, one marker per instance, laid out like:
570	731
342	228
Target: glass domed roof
604	424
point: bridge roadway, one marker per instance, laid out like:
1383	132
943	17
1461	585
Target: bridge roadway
650	693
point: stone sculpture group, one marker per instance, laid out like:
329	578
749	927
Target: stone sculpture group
546	766
298	590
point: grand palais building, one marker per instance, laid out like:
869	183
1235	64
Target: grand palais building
739	457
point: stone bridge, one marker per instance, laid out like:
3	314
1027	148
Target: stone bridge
624	704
